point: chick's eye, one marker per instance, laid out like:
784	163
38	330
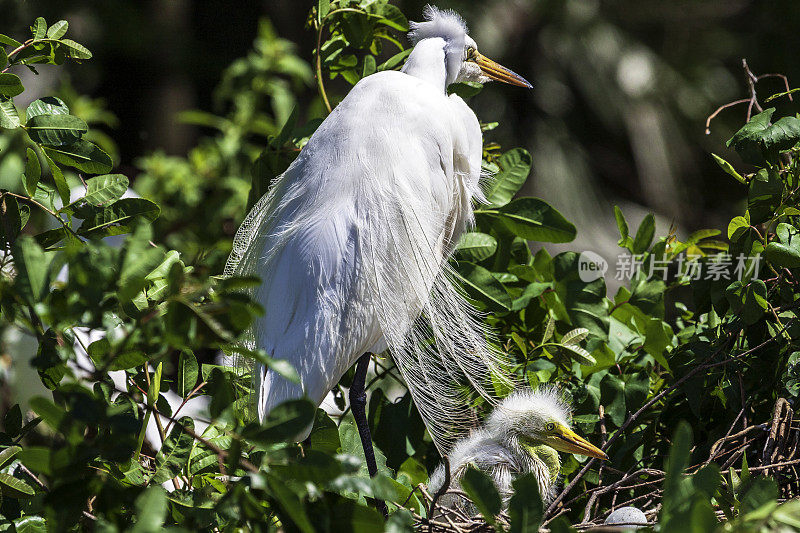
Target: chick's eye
550	426
470	52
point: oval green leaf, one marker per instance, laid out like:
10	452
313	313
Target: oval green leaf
515	165
58	30
475	246
10	85
481	285
56	130
534	220
83	155
9	118
49	105
15	488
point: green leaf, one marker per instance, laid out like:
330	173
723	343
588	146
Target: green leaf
532	290
30	524
369	66
8	454
58	30
9	118
389	15
323	8
14	487
187	373
59	180
151	511
100	351
762	491
349	516
575	336
285	422
155	385
466	89
747	141
515	165
3	58
764	195
51	414
677	463
752	300
737	227
623	394
644	235
759	141
10	219
394	60
480	284
13	421
33	269
33	172
549	328
8	41
83	155
116	218
105	189
525	508
290	503
785	253
481	490
10	85
728	168
37	458
534	220
49	105
350	440
622	225
174	453
580	355
56	130
280	366
476	247
39	28
48	363
76	50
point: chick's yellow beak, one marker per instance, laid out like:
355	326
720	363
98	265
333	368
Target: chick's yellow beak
566	440
498	72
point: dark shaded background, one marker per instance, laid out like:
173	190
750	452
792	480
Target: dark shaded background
621	89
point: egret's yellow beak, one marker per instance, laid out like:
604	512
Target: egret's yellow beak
498	72
566	440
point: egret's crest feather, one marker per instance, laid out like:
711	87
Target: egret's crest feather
546	402
446	24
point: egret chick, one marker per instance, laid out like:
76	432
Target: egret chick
523	434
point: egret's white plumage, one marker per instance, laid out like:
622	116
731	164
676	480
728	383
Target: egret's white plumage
522	435
352	241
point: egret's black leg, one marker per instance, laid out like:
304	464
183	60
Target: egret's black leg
358	404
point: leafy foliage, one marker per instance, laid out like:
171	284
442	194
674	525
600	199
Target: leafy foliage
123	325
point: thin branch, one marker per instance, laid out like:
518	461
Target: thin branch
719	109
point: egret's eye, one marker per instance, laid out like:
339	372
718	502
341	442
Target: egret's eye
470	52
550	426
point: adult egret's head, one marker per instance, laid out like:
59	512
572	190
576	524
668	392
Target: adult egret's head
537	418
463	60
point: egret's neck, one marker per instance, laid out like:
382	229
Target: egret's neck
427	62
547	456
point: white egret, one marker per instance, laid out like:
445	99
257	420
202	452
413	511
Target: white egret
352	241
523	434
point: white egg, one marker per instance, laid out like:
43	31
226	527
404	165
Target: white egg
626	515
